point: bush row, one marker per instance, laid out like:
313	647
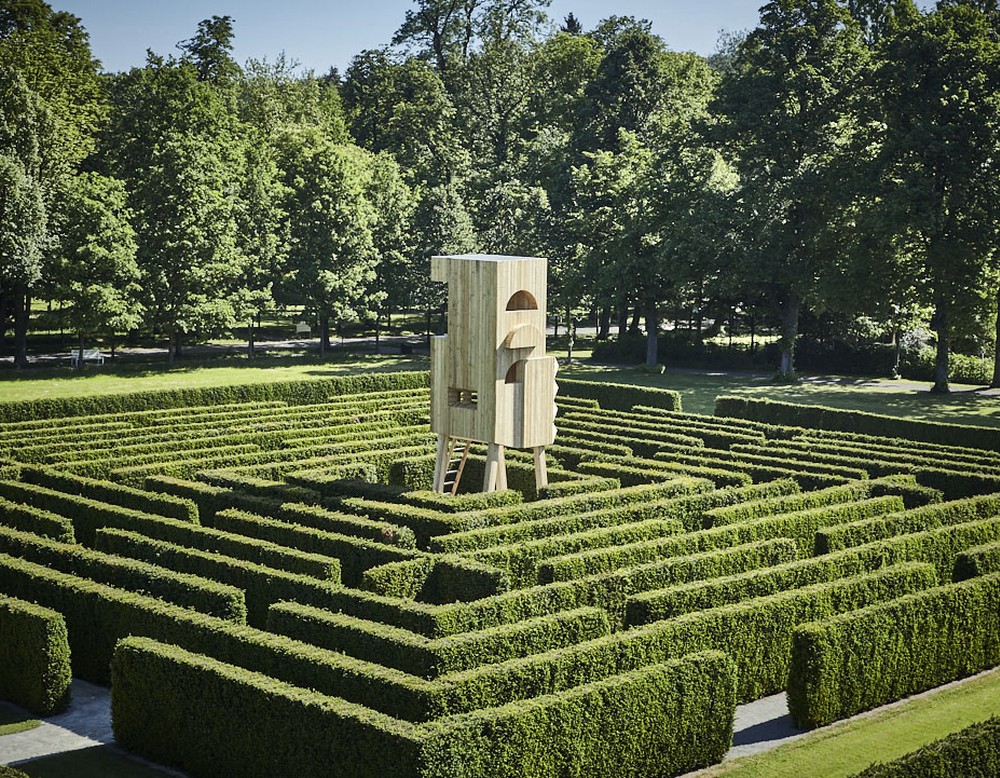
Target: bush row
189	591
581	485
874	442
355	554
34	657
635	472
792	414
429	658
620	397
790	503
800	526
639	423
955	484
687	508
867	530
756	633
665	719
642	442
978	560
38	521
116	494
437	580
293	392
261	585
857	661
760	464
973	752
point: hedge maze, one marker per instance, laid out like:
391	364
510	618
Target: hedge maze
264	578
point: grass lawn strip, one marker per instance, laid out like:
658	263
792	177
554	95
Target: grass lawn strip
842	749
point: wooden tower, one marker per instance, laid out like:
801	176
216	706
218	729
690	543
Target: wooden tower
491	382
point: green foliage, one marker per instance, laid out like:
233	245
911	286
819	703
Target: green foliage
190	591
28	518
857	661
621	397
317	733
971	752
432	657
978	560
34	657
815	416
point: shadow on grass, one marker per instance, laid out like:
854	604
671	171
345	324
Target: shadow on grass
15	720
94	762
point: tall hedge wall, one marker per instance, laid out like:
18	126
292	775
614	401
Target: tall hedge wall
293	392
818	416
857	661
973	752
621	397
34	656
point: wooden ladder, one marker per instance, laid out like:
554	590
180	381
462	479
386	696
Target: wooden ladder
457	456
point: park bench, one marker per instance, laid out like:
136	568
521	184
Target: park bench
303	329
86	355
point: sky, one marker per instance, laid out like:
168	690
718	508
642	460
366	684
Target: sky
320	34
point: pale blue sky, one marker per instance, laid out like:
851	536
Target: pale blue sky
322	34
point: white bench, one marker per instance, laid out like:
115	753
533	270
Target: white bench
86	355
303	329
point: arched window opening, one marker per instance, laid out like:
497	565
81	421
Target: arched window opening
522	301
515	374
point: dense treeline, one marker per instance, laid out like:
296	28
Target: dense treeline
836	168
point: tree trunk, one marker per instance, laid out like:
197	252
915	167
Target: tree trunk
22	314
171	337
604	323
995	383
570	329
789	332
4	312
324	335
636	316
250	341
652	333
79	356
942	326
622	321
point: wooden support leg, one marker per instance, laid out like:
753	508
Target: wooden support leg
441	463
541	474
501	469
491	476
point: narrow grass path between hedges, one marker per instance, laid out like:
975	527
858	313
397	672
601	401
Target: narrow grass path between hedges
843	749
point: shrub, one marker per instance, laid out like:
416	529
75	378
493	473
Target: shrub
294	392
973	752
261	585
189	591
978	560
890	650
867	530
795	415
429	658
621	397
664	719
956	484
37	521
798	501
34	657
195	713
632	472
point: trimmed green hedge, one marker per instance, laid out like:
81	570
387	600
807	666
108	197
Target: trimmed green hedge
621	397
427	657
116	494
28	518
800	527
189	591
797	501
868	530
634	472
660	720
858	661
638	423
355	554
34	657
209	718
978	560
955	484
792	414
261	585
973	752
756	633
294	392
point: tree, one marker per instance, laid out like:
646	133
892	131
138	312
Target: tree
571	25
210	50
95	272
782	107
45	59
176	146
936	91
331	257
